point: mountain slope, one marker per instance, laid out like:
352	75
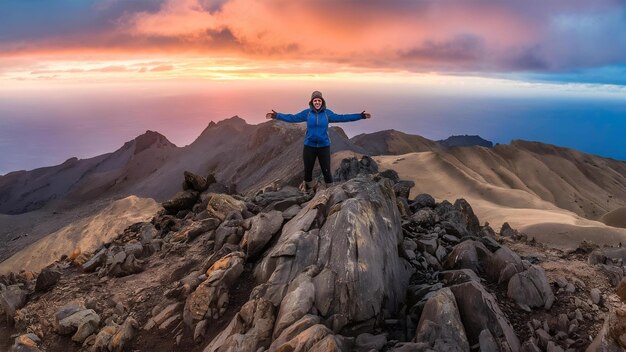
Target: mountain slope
25	191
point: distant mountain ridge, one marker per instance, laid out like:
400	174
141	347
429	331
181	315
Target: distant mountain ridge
465	141
254	156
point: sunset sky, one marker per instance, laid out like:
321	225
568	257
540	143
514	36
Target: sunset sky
69	68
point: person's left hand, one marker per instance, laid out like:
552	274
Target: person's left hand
366	115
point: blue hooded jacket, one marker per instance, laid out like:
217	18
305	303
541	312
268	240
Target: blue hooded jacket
317	123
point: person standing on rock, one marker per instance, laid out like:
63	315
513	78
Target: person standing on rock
316	141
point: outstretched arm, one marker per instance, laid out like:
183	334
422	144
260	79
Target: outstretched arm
332	117
299	117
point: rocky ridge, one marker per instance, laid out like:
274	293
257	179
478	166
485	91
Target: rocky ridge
355	267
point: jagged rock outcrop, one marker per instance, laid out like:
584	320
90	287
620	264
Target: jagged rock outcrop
342	244
355	267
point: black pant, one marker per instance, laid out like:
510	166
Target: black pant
323	155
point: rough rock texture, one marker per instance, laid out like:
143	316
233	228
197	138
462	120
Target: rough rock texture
531	288
209	300
47	279
479	311
354	253
440	324
221	205
181	201
263	227
248	331
351	168
351	268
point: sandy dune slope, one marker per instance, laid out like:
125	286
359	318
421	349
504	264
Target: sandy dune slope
86	234
513	201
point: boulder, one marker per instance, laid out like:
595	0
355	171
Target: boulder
209	300
531	288
352	167
425	217
183	200
390	174
353	254
195	182
453	277
123	336
196	229
250	330
71	323
403	188
502	265
468	254
422	201
479	310
367	342
220	205
293	330
458	219
12	298
440	324
95	261
296	304
26	343
263	227
47	279
507	231
103	338
315	338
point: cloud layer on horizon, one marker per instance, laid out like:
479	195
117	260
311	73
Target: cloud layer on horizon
577	39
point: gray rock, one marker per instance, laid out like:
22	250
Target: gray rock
266	198
596	297
124	335
292	211
423	200
352	167
544	337
262	228
195	182
26	343
486	342
71	323
368	342
561	281
294	330
221	205
96	260
479	310
181	201
403	188
468	255
209	300
364	228
248	331
47	279
453	277
296	304
85	329
440	324
502	265
531	288
425	217
12	298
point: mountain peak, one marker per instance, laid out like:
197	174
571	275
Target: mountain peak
465	141
151	138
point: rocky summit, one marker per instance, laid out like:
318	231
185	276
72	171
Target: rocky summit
355	267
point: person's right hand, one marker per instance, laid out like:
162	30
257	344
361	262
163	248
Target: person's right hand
271	115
